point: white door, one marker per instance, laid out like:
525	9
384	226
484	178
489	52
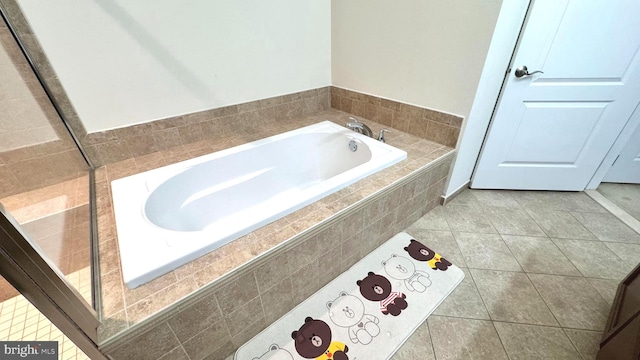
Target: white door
551	131
626	168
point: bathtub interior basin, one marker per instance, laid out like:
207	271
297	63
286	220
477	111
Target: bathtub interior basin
172	215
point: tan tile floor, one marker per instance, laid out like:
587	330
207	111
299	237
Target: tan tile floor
626	196
541	272
537	286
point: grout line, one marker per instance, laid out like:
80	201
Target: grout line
543	300
575	346
615	210
433	348
481	298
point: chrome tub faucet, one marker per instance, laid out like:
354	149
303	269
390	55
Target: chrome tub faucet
363	129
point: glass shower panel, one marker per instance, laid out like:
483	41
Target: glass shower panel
21	321
44	179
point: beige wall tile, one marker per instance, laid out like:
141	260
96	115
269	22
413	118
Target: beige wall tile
328	267
403	117
98	138
207	341
305	281
273	101
158	301
9	184
222	352
169	123
109	256
249	332
152	344
196	318
112	325
168	138
113	151
302	254
224	111
245	316
132	296
277	300
237	294
249	106
272	273
176	354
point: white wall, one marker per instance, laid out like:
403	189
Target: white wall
428	53
126	62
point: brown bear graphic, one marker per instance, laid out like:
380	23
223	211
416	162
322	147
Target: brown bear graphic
422	253
313	341
376	287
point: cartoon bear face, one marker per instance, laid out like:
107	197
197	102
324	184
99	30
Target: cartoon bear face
419	252
399	267
346	310
374	287
275	353
312	339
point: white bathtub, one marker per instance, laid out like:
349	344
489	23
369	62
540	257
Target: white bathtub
172	215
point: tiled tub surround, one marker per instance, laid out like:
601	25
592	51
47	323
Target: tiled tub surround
239	292
169	135
198	205
428	124
112	146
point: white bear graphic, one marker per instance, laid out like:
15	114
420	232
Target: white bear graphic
348	311
401	268
275	353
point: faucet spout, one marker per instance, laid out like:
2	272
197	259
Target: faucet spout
359	127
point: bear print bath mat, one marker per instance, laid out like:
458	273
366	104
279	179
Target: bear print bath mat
366	313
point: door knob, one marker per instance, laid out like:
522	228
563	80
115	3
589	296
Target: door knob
523	71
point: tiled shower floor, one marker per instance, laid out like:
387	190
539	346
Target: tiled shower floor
21	321
542	270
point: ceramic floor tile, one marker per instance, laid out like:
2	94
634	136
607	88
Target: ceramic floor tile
626	196
467	218
418	346
593	259
461	339
433	220
465	198
441	242
560	224
557	200
510	296
627	252
572	301
607	227
486	251
464	301
539	255
513	221
605	287
524	342
587	342
495	198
